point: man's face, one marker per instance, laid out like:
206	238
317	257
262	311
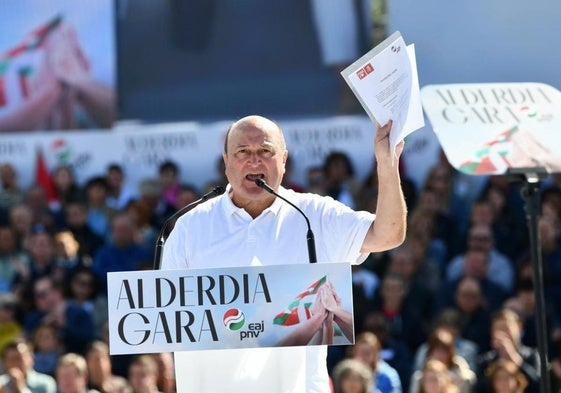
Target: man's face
255	150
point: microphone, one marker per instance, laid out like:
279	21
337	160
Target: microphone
310	235
218	190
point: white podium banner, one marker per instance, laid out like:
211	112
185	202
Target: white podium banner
244	307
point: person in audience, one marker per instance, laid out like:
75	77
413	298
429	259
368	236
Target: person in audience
43	263
352	376
168	174
72	374
367	349
13	260
47	349
89	242
342	184
404	263
405	322
441	346
122	253
504	376
451	320
99	213
143	374
475	265
21	220
500	269
10	191
118	193
66	185
395	352
19	375
74	325
166	372
100	374
10	327
84	292
46	212
435	378
506	344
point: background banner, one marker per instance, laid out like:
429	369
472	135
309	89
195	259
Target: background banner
485	128
245	307
197	149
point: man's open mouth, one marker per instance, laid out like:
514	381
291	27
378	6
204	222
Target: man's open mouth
253	176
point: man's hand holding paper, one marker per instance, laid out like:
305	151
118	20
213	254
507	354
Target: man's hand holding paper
385	82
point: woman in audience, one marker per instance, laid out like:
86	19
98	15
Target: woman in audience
441	346
435	378
504	376
352	376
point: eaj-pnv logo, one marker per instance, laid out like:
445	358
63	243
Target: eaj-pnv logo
233	319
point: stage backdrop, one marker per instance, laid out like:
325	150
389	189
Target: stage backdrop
57	65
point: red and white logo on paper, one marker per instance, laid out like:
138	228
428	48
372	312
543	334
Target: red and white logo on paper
364	71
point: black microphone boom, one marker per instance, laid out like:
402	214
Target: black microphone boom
310	235
218	190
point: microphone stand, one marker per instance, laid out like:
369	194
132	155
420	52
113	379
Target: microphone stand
218	190
310	235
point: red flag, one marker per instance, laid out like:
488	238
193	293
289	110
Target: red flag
44	179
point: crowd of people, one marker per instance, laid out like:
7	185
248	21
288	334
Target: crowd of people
450	310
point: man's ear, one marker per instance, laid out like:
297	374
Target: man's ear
224	158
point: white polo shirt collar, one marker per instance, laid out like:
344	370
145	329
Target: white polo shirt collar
231	209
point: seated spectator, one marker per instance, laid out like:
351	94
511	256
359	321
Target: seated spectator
10	192
506	331
13	260
10	328
450	319
500	269
122	253
84	292
21	221
435	378
47	349
45	213
504	376
474	313
72	374
66	251
166	372
98	212
395	352
74	325
441	347
475	265
66	186
146	235
100	375
17	361
76	217
341	182
367	349
352	376
143	374
405	263
406	322
168	174
118	193
43	263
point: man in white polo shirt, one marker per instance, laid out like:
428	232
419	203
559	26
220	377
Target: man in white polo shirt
247	226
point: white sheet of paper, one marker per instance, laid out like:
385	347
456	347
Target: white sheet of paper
386	83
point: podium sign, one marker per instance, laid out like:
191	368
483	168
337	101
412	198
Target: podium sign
243	307
489	127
